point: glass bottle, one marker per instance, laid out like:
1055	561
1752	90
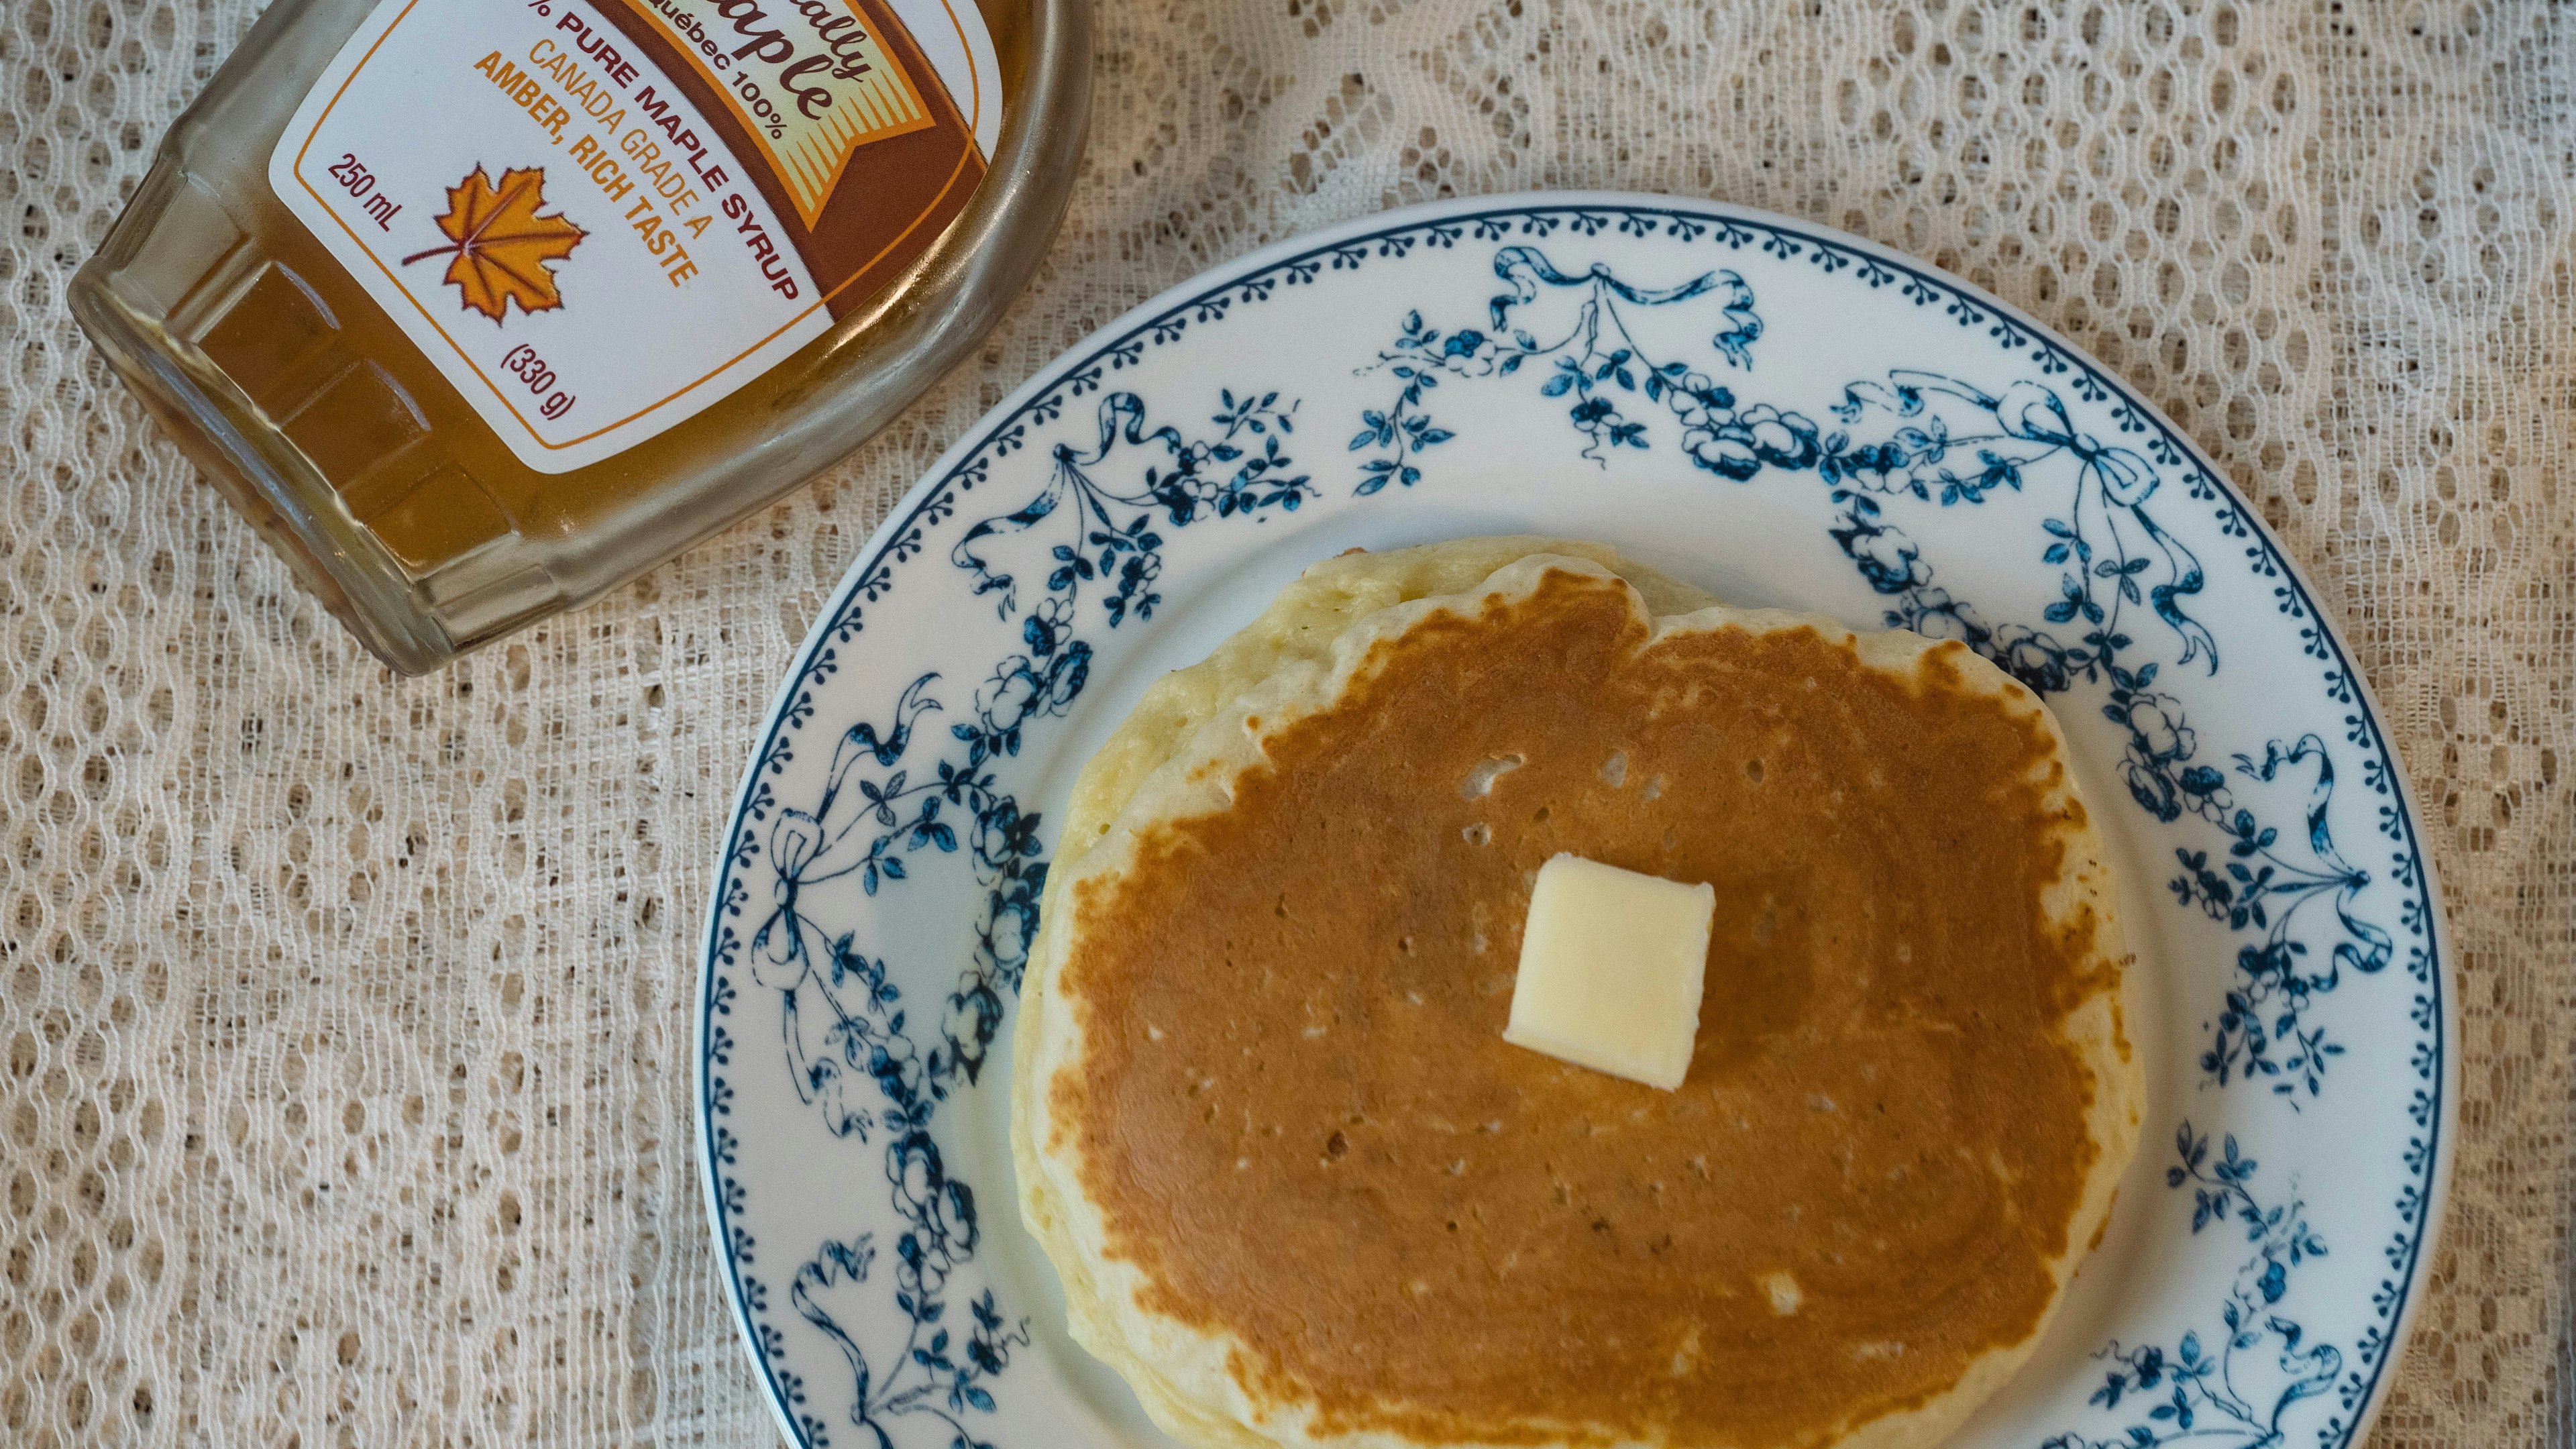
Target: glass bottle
478	308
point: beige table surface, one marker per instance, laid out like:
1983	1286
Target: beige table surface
343	1020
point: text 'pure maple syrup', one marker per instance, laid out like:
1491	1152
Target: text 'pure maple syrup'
478	308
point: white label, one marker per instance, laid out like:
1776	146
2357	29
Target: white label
952	34
557	227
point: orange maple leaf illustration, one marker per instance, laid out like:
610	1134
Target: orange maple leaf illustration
503	250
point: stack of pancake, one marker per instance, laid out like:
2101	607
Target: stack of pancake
1302	1192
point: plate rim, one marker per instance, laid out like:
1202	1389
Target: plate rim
932	485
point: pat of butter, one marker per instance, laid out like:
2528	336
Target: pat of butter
1611	963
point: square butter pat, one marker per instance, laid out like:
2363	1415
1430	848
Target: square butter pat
1611	964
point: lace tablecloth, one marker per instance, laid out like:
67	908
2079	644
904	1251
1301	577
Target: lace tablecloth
344	1089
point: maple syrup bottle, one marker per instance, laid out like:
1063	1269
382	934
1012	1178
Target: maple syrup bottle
477	308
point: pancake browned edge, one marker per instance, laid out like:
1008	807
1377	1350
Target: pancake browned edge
1237	1319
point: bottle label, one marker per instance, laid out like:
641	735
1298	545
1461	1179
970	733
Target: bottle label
598	217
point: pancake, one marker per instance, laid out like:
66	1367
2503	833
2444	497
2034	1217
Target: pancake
1301	1192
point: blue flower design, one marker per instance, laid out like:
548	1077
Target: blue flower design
2237	1387
1105	535
1592	358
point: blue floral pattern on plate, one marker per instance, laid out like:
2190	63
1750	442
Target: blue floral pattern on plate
1618	338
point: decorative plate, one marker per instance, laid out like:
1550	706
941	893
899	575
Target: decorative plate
1784	414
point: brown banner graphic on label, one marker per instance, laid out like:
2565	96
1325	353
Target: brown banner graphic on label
832	107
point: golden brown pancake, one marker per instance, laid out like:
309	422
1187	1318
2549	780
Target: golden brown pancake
1301	1191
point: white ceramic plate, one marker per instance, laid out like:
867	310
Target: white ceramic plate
1786	415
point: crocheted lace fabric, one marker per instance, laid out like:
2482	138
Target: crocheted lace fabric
344	1089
